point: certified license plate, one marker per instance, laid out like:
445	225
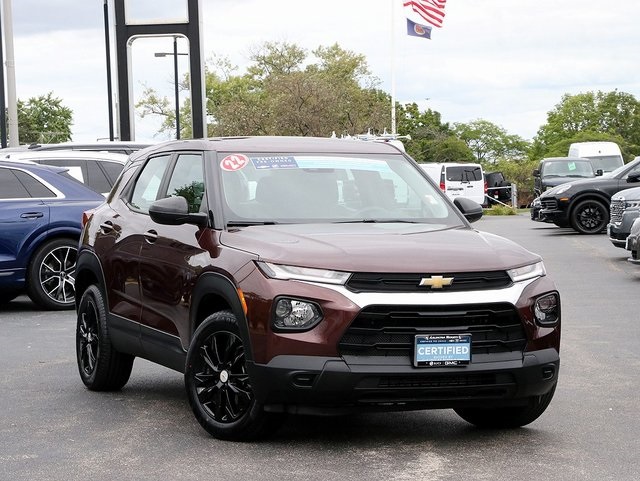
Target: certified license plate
437	350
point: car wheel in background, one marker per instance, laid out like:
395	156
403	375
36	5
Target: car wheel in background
101	367
218	385
589	217
508	417
51	274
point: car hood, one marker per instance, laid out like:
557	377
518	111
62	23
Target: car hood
383	247
556	181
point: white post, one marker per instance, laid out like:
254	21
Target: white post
393	68
12	101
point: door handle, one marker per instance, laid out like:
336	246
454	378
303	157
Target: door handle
151	236
32	215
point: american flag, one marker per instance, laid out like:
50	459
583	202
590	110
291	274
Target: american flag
432	11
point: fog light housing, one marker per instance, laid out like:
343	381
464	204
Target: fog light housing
295	314
547	309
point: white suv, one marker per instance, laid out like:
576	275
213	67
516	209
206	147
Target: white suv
98	170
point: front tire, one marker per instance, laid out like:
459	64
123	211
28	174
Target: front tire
508	417
218	385
101	367
51	274
589	217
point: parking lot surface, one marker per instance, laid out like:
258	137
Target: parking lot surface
52	428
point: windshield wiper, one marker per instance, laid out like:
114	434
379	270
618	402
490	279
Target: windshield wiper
377	221
249	223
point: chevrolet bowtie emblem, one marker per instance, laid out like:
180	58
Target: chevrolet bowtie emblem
436	282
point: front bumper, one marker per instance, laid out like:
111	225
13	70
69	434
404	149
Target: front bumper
325	385
619	231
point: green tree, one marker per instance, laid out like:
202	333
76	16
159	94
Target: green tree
491	143
44	119
588	116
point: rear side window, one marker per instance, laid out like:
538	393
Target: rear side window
96	178
113	170
464	173
16	184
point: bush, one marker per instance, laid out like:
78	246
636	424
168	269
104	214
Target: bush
500	210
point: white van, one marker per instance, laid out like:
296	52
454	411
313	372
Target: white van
605	156
455	180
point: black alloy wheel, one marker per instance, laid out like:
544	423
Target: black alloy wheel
218	385
101	366
589	217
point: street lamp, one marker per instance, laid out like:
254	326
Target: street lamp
175	54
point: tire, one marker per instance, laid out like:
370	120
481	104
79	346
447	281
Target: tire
508	417
218	386
589	217
51	274
101	367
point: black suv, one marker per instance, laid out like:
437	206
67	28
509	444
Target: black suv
584	204
319	276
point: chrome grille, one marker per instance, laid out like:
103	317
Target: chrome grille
617	208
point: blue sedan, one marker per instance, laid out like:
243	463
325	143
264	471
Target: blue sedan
40	224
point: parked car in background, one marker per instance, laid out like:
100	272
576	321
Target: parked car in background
584	204
458	179
117	147
40	222
311	275
553	171
498	188
605	156
623	211
633	242
98	170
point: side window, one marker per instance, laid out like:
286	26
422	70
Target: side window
96	179
113	170
10	187
187	180
16	184
147	185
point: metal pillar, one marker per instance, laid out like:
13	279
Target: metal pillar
126	33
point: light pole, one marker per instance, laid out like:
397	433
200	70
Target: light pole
175	54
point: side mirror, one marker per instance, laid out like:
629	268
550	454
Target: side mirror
536	173
175	211
599	172
472	211
635	177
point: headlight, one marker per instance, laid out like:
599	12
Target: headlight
530	271
295	314
632	204
547	310
283	272
562	188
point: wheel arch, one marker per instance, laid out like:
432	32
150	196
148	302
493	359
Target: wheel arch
216	292
591	195
89	271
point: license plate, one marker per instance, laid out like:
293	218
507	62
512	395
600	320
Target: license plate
438	350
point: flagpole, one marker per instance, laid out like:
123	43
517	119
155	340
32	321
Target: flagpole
393	68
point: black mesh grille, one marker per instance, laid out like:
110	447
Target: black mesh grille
391	330
465	281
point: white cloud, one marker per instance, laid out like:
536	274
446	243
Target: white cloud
505	61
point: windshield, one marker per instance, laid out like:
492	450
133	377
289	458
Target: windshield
606	163
292	188
573	168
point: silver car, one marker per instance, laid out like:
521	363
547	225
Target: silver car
633	242
624	210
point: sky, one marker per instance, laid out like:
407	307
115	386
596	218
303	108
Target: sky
505	61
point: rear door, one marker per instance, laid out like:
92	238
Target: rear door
466	181
24	218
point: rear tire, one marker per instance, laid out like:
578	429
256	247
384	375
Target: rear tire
508	417
51	275
589	217
101	367
218	385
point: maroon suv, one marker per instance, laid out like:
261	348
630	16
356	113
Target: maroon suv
305	275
